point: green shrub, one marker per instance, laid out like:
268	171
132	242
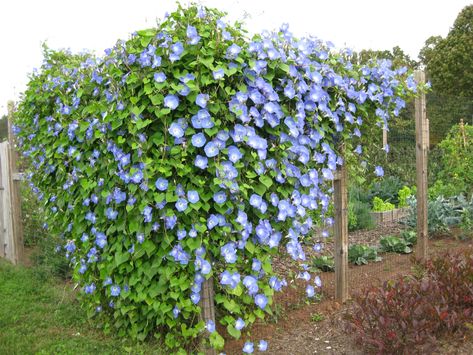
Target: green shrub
381	206
454	176
3	128
360	254
359	209
386	189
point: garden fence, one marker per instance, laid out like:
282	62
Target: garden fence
11	229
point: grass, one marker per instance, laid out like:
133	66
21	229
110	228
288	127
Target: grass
39	315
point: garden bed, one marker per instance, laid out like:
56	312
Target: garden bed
303	327
394	215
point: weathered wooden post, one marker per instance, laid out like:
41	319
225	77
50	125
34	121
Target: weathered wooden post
422	146
15	197
207	306
341	233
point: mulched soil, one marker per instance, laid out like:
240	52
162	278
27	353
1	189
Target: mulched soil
297	327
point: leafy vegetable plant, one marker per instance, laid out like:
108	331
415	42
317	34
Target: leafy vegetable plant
382	206
395	245
360	254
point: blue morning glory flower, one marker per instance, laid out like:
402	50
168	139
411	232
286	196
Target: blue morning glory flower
176	51
90	216
379	171
89	289
137	177
140	238
192	35
248	348
179	255
171	101
160	77
161	184
256	200
170	222
275	284
220	197
181	205
218	74
310	291
147	214
228	251
211	150
176	312
239	324
256	265
233	51
82	269
210	326
115	290
262	345
201	162
195	298
198	140
111	214
212	221
251	284
234	154
201	100
205	267
193	196
318	281
261	301
175	130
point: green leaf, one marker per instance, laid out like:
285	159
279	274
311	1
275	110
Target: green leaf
216	341
233	331
120	258
266	181
260	189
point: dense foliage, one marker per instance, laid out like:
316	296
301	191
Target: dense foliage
452	170
3	128
449	61
189	152
408	316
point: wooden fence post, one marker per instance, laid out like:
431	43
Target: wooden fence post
15	198
422	146
2	212
341	233
207	306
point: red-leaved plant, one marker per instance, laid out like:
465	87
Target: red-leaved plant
408	315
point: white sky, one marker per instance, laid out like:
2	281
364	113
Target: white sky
97	24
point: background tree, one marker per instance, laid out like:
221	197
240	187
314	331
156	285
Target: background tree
449	61
3	128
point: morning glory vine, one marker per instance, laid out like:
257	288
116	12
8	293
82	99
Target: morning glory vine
191	151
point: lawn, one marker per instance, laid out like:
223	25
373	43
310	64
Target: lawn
39	315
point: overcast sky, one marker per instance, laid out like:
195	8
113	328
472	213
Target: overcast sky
97	24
